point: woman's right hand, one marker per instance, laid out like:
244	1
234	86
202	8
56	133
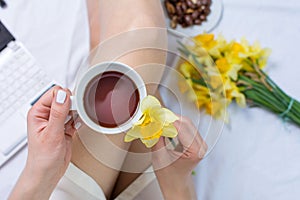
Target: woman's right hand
173	168
49	145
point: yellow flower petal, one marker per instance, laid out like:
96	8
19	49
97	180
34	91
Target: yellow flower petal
239	98
204	38
169	131
214	108
149	102
145	131
163	115
233	73
216	82
186	69
135	132
150	130
223	65
129	138
237	48
150	143
169	116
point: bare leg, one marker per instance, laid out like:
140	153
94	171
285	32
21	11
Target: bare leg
126	177
102	156
93	12
98	155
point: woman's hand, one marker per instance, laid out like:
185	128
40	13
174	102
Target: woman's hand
173	168
49	145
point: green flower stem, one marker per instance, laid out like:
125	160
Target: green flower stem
275	100
283	96
295	107
199	82
259	102
266	94
257	97
277	91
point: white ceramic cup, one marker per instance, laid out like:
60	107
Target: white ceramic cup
94	71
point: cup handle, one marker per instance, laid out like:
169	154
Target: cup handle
73	103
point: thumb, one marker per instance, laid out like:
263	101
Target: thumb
59	110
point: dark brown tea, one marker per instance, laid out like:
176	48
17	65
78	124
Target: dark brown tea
111	99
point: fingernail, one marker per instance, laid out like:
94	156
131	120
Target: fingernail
61	96
68	118
77	125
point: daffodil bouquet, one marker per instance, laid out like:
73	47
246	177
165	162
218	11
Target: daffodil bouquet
220	72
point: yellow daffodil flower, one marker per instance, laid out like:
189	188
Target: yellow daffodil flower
206	40
155	122
233	92
189	71
228	68
216	86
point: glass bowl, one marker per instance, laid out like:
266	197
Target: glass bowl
213	20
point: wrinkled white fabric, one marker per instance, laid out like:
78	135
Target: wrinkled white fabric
77	185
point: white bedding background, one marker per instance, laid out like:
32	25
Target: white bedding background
258	156
57	34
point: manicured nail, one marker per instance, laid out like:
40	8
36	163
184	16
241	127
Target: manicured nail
77	125
68	118
61	97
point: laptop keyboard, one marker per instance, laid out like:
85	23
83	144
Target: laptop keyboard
20	80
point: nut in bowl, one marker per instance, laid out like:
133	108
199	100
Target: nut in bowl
189	17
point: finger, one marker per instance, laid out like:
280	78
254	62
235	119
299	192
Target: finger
71	116
77	123
162	156
69	141
42	107
60	107
159	145
203	150
47	98
194	146
38	115
187	133
70	130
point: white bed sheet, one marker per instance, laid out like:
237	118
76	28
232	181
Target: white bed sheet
258	156
57	34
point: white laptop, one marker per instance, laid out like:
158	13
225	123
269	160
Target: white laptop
22	82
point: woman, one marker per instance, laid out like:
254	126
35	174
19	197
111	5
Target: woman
107	19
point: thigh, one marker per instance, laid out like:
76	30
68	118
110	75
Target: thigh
93	14
100	156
